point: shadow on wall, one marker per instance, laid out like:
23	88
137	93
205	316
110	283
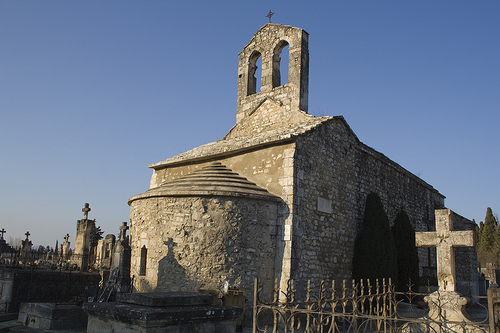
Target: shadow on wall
171	275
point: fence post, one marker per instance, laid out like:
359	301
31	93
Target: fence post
494	308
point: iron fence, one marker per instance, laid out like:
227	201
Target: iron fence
359	307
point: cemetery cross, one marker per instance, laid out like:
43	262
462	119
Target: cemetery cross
445	240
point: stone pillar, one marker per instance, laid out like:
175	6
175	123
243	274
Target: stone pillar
84	227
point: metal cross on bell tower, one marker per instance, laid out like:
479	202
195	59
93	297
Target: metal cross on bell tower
270	15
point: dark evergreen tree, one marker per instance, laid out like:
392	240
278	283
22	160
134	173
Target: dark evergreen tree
95	235
374	248
406	250
487	232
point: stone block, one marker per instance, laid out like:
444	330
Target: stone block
162	312
53	316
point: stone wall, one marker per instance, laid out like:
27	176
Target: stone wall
334	173
466	267
271	167
203	243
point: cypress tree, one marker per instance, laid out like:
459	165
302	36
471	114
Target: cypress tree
374	248
406	252
486	241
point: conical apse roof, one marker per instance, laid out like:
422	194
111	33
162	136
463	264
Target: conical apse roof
213	180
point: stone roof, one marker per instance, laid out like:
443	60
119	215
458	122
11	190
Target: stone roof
234	143
212	180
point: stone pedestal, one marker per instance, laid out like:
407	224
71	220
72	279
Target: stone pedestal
162	312
446	314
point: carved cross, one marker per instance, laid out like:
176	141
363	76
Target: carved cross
2	232
66	238
27	234
270	15
86	210
123	231
445	239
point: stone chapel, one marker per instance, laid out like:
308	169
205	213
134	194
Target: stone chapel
280	196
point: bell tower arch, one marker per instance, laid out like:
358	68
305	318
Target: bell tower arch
268	43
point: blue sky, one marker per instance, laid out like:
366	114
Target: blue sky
91	92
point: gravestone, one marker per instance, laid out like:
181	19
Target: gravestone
84	227
121	260
104	252
446	305
26	244
65	248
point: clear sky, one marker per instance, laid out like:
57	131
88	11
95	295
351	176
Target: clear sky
91	92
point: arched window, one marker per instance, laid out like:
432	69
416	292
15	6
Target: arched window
280	73
254	75
144	258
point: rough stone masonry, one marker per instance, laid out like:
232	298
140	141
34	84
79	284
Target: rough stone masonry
281	196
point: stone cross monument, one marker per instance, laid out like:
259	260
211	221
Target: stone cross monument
65	247
123	231
121	260
84	227
446	306
445	240
86	210
26	244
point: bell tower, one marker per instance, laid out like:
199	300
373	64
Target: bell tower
268	44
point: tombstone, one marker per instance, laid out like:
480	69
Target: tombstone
121	260
65	248
105	248
84	227
446	304
26	244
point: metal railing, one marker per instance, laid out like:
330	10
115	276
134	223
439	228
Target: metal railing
357	307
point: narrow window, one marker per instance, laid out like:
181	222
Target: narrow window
144	257
280	56
254	69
